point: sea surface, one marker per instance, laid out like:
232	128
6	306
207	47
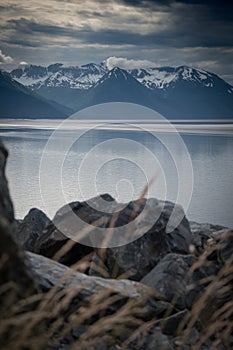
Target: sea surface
50	164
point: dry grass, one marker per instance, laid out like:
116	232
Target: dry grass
42	321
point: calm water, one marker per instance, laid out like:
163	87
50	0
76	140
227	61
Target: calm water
77	165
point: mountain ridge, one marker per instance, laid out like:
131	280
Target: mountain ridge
17	101
177	92
87	75
118	85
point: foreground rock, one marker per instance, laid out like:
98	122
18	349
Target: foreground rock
172	279
49	273
137	302
138	228
6	207
16	280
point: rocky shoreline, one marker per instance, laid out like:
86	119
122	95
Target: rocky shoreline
164	290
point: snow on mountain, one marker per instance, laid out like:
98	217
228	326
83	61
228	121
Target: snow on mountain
154	78
164	77
57	75
116	74
117	85
85	76
30	74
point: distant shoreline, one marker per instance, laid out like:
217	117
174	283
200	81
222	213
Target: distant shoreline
217	127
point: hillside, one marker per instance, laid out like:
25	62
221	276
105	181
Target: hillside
18	101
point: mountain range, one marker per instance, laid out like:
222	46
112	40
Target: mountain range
176	92
18	101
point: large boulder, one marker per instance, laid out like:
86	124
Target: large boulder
140	237
98	305
63	228
50	273
29	229
16	280
6	206
138	257
169	277
174	279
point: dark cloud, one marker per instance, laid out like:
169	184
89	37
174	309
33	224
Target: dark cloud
4	8
216	9
181	39
23	42
25	26
175	35
190	25
216	3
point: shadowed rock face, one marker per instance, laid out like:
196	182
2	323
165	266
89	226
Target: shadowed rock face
171	279
144	218
31	228
138	257
14	270
85	289
6	207
64	226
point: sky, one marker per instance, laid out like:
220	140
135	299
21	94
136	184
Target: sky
133	33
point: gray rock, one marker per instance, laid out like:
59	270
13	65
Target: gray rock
224	241
51	243
198	281
66	209
15	275
97	267
172	279
146	218
204	228
168	278
29	229
64	227
85	290
140	256
201	232
6	206
170	325
151	339
188	342
50	273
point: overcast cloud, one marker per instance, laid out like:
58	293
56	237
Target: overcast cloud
164	32
5	59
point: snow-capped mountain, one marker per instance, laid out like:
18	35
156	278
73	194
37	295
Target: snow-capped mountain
186	92
86	76
115	74
56	75
117	85
164	78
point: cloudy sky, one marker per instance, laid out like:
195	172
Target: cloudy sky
131	32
